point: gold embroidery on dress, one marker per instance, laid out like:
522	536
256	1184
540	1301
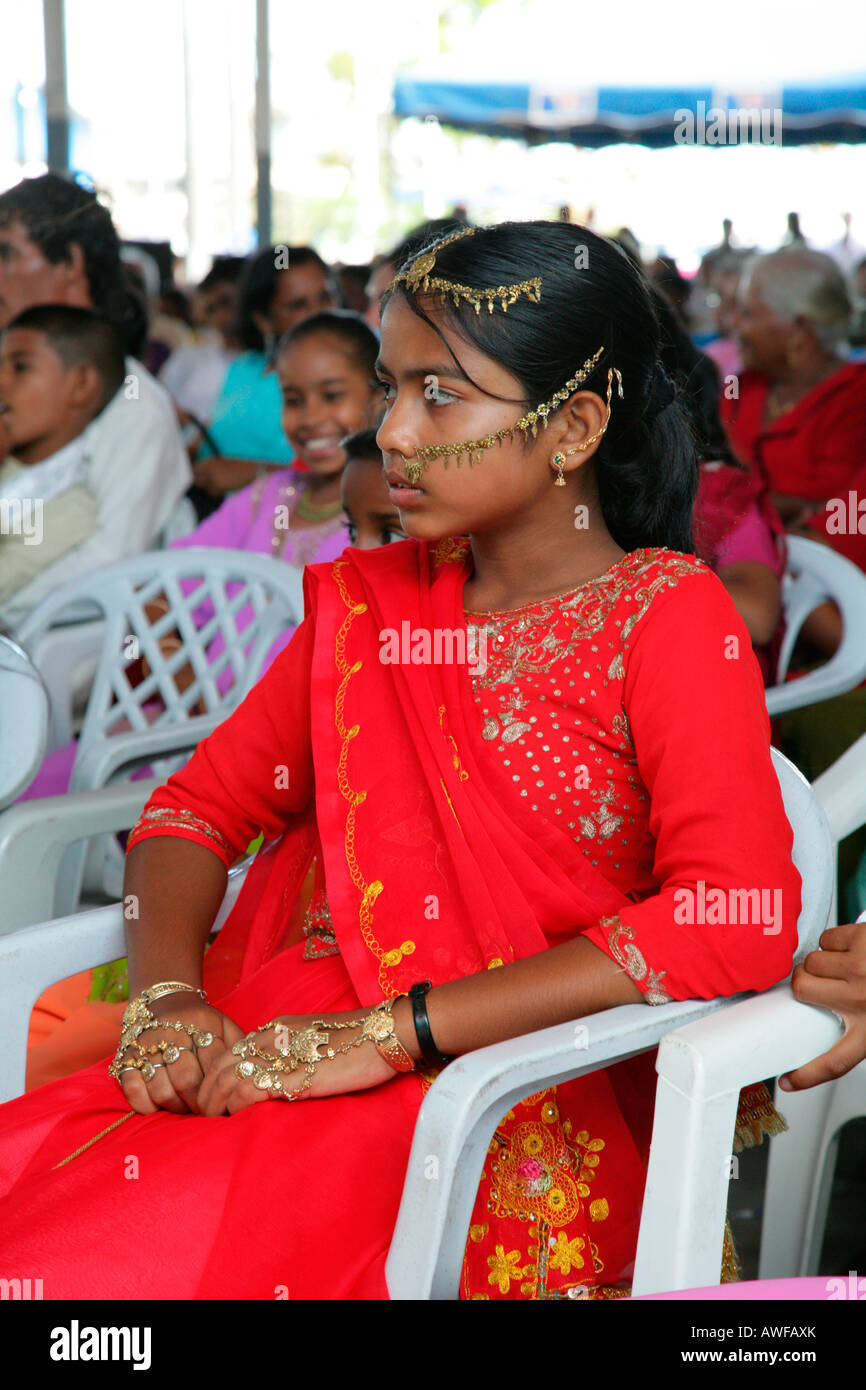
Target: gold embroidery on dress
602	822
178	818
450	549
632	960
455	756
369	892
318	929
524	639
756	1116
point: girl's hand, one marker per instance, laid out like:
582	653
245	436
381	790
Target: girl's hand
223	1092
834	977
175	1085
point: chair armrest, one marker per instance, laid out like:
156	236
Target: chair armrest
35	834
107	757
759	1037
464	1106
33	959
702	1068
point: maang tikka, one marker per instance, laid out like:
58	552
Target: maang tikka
419	279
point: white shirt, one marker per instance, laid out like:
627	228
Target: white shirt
137	469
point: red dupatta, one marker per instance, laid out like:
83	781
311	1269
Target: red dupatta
433	867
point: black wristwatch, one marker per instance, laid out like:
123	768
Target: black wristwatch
429	1051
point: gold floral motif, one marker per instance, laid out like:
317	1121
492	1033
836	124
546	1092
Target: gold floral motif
566	1254
632	960
449	551
504	1268
599	1209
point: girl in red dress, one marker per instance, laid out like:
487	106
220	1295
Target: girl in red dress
516	764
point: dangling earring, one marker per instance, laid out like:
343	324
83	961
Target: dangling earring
558	460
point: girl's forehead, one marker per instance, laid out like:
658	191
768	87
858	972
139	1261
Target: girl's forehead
409	344
315	358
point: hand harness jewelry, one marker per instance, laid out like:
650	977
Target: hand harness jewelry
298	1048
137	1019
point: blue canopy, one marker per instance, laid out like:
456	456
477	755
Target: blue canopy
829	110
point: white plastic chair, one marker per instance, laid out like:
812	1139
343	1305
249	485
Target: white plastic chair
803	1161
66	656
33	841
817	573
467	1101
116	735
23	720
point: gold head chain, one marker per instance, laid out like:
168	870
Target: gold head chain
419	279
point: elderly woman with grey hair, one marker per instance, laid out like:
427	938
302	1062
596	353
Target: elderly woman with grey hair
798	409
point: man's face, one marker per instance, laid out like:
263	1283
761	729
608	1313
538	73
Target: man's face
27	277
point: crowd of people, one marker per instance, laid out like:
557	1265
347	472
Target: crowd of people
516	838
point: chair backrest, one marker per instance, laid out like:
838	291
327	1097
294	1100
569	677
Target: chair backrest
206	591
817	573
813	852
23	721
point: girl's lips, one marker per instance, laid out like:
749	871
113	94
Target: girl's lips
405	496
319	448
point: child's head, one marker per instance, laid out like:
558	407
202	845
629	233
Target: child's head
325	367
59	367
372	518
519	350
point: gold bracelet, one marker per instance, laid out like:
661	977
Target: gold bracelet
378	1028
164	987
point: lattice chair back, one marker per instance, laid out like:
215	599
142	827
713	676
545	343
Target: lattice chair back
228	608
23	721
817	573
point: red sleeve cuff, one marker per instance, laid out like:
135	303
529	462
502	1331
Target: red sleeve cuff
182	825
617	939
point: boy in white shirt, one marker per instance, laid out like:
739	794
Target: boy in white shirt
60	367
58	246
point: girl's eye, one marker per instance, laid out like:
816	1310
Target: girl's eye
392	535
437	396
353	533
383	386
332	396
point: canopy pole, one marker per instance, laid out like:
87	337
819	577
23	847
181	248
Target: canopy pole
56	102
263	126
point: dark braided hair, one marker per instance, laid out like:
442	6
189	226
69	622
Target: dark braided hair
592	296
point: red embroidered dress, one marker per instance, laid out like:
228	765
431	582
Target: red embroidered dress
610	752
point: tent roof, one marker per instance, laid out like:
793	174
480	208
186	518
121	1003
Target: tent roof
544	70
